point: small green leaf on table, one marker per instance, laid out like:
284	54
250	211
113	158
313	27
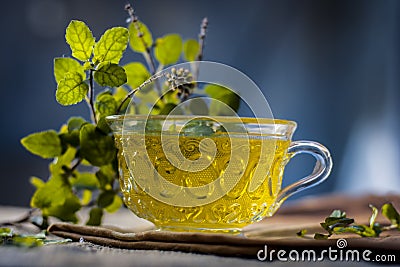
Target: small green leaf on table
389	211
6	232
301	233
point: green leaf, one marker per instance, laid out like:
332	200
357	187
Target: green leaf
301	233
319	236
139	44
105	199
75	123
198	106
55	198
87	66
85	180
66	211
63	65
390	212
28	242
110	74
6	232
106	176
374	214
56	241
103	126
106	105
115	205
197	128
120	92
48	194
169	107
36	182
337	214
221	98
40	235
86	197
44	144
168	49
57	166
361	230
332	222
95	216
71	135
111	45
150	97
72	89
136	73
80	39
96	147
191	49
71	139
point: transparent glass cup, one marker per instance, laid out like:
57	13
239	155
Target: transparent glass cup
218	174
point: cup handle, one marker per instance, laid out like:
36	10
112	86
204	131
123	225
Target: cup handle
322	169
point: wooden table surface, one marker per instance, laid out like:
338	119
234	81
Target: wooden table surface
292	216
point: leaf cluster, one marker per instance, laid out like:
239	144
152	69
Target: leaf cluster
338	223
9	238
83	169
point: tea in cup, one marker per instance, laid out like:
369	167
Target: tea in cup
219	174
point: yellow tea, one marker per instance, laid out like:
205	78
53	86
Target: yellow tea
188	173
233	209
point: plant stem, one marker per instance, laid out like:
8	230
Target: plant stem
202	37
147	54
25	218
131	93
91	97
77	163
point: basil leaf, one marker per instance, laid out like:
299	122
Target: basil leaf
80	39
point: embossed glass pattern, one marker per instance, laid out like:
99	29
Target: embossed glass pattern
148	178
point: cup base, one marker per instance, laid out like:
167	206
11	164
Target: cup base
234	231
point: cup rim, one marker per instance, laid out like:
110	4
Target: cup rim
181	117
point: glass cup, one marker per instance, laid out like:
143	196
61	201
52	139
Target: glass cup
186	173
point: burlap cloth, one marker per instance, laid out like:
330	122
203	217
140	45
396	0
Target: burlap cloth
277	232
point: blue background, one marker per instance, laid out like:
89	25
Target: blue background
332	66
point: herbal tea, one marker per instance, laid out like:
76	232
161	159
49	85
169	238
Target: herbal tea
234	209
186	173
